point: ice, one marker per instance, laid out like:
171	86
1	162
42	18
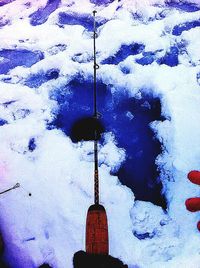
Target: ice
46	83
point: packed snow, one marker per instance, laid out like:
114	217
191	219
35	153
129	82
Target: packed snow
44	46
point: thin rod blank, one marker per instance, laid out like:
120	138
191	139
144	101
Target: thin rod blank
14	187
96	172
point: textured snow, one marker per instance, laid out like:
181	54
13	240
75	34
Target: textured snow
49	225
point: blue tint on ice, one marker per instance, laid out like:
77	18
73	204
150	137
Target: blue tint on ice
198	78
42	14
18	57
144	235
125	69
170	58
5	2
36	80
101	2
29	239
188	7
3	122
32	145
7	103
128	118
85	20
148	58
178	29
123	53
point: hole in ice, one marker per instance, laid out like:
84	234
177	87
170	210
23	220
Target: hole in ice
86	20
178	29
133	133
41	15
76	103
18	57
128	118
124	52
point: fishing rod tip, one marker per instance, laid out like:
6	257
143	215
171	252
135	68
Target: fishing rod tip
94	12
17	185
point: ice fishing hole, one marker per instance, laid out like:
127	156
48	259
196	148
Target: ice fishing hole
128	119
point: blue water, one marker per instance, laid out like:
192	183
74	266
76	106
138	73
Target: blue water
178	29
123	53
36	80
42	14
18	57
128	118
86	20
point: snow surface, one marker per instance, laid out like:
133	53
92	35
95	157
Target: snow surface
49	225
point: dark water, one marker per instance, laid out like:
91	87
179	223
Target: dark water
128	118
18	57
42	14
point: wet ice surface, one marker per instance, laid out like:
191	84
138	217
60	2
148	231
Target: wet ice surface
12	58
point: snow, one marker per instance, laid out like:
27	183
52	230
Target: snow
49	225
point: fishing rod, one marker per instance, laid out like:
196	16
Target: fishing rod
96	116
96	223
17	185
